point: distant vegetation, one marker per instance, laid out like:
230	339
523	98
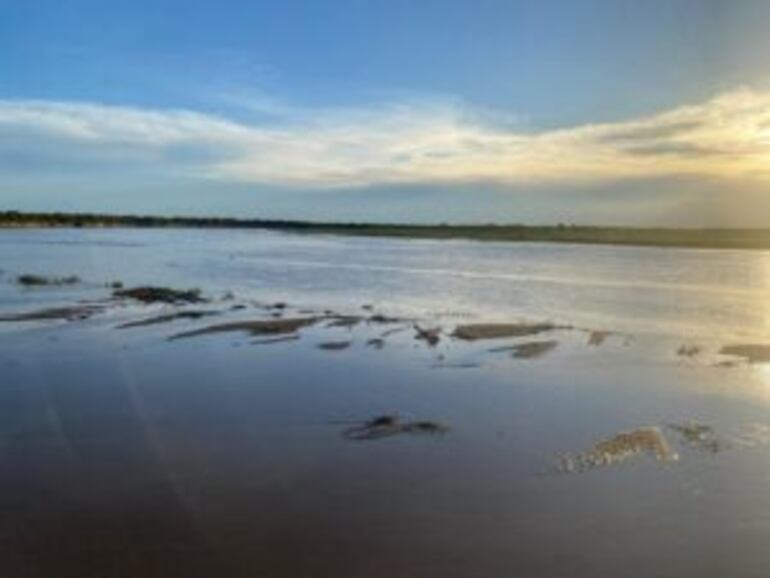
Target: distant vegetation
30	280
658	237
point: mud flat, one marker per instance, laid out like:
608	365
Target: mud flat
597	338
619	448
533	349
391	425
150	294
29	280
699	436
71	313
431	335
334	345
479	331
168	318
528	349
688	351
274	340
753	353
345	321
254	327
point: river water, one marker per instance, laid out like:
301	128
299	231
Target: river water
124	454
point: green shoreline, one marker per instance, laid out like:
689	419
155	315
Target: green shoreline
649	237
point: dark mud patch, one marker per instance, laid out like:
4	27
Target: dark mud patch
149	294
345	321
597	338
255	327
431	336
389	332
458	365
390	425
704	438
688	351
376	343
29	280
726	364
334	345
699	436
379	318
619	448
752	353
274	340
533	349
74	313
478	331
528	350
160	319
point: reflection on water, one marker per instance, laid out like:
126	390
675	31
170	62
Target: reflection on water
124	454
690	292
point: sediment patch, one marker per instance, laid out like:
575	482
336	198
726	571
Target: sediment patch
334	345
457	365
753	353
255	327
390	425
477	331
191	315
688	351
533	349
149	294
73	313
29	280
611	451
379	318
345	321
431	336
699	436
597	338
273	340
527	350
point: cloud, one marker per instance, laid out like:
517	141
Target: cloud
435	142
679	149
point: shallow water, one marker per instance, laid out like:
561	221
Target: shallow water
125	454
676	291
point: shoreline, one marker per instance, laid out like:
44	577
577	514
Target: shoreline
749	239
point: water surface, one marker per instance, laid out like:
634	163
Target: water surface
123	454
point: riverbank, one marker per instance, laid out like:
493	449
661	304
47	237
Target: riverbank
596	235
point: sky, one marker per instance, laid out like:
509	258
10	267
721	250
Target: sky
609	112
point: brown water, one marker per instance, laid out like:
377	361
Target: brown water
123	454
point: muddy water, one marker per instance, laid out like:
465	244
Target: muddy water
124	454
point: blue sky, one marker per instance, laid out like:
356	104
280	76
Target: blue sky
644	112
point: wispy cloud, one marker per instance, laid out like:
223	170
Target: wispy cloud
437	142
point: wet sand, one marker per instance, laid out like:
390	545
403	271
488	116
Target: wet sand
478	331
753	353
